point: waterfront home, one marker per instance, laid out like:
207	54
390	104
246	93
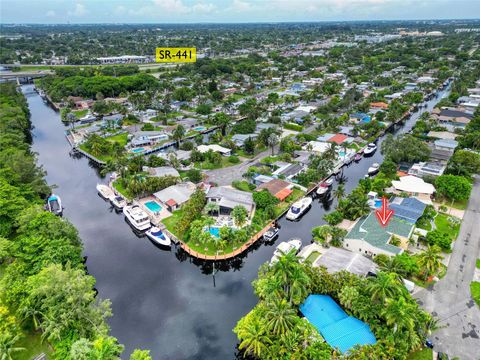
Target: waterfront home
180	155
446	144
408	209
161	171
430	168
175	196
413	186
141	138
379	105
370	238
360	117
279	188
317	147
112	121
455	117
287	170
337	259
261	179
216	148
227	198
445	135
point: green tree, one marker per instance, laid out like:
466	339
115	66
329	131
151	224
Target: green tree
178	134
453	187
140	355
280	316
239	215
430	261
384	286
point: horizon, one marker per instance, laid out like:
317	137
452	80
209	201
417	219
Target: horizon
89	12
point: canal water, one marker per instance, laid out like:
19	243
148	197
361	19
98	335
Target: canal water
165	301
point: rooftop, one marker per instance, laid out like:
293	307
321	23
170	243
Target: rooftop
409	209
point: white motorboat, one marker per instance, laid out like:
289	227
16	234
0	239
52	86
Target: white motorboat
158	236
105	192
372	170
54	204
137	217
286	247
325	187
271	234
370	149
118	202
298	208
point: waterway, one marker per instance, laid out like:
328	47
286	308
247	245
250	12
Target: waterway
165	301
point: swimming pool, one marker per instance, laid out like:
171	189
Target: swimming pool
378	203
199	128
342	153
215	231
153	206
137	150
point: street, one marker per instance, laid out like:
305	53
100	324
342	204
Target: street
450	299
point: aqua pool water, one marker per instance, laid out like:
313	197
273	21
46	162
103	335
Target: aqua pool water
153	206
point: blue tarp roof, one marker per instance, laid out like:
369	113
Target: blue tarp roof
337	328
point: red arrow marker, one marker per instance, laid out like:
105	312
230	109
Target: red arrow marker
384	213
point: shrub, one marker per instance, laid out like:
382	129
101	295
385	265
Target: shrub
148	127
233	159
437	237
334	218
292	126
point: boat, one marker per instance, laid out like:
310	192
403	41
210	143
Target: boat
54	204
118	202
372	170
158	236
357	157
105	192
370	149
137	217
286	247
298	208
271	233
325	187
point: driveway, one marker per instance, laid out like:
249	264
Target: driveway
450	299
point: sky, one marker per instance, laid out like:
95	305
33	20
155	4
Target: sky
228	11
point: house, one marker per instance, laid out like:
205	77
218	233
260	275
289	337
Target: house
339	139
239	139
180	155
227	198
414	186
379	105
431	168
445	135
452	116
84	104
409	209
446	144
318	147
112	120
287	170
443	149
370	238
215	148
176	195
261	179
278	188
346	130
141	138
161	171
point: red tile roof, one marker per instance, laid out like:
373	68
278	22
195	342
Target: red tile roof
283	194
171	202
339	138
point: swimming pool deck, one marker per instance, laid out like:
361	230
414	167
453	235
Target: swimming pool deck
155	217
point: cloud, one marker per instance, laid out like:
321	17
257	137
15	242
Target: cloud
120	10
50	13
79	10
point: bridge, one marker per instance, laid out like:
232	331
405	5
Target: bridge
23	76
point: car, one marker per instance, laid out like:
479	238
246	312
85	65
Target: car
429	344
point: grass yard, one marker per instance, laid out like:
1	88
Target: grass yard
99	157
424	224
80	113
442	224
475	290
171	222
460	205
205	165
33	346
478	265
117	184
242	185
424	354
313	256
121	138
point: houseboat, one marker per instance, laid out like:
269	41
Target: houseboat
137	217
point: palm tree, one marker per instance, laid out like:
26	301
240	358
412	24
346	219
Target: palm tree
347	296
239	214
385	285
392	266
298	286
399	314
8	348
280	316
430	260
179	134
272	141
209	222
339	192
254	338
321	233
211	208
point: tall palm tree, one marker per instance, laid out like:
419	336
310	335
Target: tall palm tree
254	338
280	316
298	286
385	285
347	296
8	348
209	222
339	192
272	141
321	233
430	260
179	134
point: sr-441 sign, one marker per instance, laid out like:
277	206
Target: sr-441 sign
180	55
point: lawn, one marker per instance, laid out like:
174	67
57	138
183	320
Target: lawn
205	165
424	354
80	113
313	256
33	346
121	138
117	184
442	224
475	290
242	185
460	205
99	157
478	264
424	224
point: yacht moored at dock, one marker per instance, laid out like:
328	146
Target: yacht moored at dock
299	208
137	217
370	149
158	236
105	192
118	202
54	205
284	248
325	187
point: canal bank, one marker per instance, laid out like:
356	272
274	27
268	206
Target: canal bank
179	307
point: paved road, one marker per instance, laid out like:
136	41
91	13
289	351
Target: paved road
450	299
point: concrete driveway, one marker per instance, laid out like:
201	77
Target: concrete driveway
450	299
